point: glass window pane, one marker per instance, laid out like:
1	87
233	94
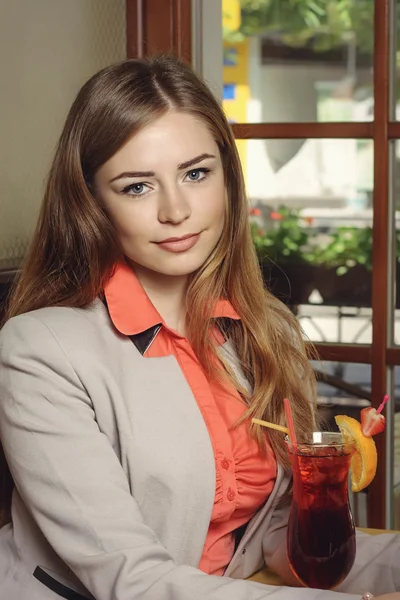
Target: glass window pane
335	324
311	212
343	389
297	61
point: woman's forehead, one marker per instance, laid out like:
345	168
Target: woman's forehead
171	139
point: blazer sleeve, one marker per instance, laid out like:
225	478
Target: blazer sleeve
70	478
274	541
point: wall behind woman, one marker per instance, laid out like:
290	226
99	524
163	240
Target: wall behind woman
48	48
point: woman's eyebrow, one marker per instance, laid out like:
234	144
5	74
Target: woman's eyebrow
184	165
195	160
128	174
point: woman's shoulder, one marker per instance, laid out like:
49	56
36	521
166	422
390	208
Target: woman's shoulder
51	320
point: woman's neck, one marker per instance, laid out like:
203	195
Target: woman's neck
168	294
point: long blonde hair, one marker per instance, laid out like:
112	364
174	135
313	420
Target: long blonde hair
74	248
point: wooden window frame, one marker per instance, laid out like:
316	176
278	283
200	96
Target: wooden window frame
155	26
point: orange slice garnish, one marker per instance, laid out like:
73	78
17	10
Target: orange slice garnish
365	458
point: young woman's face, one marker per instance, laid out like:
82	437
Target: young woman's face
164	191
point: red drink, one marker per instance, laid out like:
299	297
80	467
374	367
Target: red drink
321	536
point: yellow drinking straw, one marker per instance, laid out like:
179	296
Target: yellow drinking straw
270	425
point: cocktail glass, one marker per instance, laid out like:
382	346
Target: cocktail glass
321	542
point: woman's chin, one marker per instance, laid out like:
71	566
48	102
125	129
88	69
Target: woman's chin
174	266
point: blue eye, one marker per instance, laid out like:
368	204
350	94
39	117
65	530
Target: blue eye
197	175
134	189
194	175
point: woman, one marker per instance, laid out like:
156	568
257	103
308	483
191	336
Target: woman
139	343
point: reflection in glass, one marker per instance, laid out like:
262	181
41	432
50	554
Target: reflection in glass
298	61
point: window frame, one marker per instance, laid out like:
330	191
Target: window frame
155	26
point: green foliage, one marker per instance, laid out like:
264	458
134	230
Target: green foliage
285	239
289	238
347	247
319	24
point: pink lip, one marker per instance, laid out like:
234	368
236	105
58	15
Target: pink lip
180	244
178	239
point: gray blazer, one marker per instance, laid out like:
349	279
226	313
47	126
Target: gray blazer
115	475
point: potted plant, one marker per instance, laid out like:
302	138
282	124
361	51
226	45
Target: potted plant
295	259
345	267
282	246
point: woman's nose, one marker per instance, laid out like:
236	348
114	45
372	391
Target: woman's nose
174	207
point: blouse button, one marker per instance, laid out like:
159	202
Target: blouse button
225	464
230	495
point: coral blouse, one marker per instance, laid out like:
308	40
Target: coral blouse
244	478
